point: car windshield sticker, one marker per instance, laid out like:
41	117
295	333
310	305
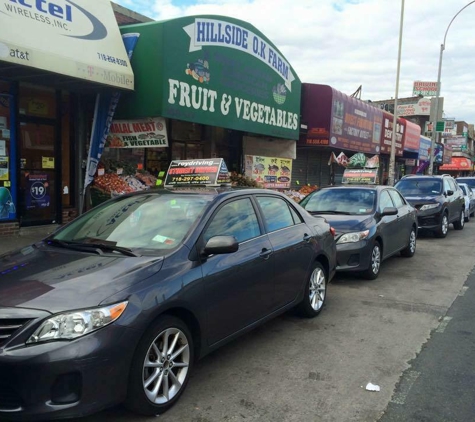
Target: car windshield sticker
164	239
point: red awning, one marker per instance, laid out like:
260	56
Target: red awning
458	163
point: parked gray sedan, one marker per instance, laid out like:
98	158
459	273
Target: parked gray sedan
116	306
372	223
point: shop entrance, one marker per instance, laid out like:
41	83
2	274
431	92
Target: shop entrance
38	196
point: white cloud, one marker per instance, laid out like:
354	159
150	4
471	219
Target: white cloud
348	43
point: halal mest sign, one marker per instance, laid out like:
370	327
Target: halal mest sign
230	72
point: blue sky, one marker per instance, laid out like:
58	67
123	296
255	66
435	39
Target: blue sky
348	43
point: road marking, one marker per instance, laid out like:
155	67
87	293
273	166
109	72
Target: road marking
405	386
443	325
463	291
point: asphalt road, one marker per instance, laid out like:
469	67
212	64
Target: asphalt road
394	328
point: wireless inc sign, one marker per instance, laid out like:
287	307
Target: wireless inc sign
65	37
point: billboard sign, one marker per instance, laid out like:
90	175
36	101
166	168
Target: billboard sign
420	108
427	89
340	121
213	70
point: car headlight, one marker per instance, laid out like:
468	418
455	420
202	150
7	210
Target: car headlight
74	324
353	237
429	206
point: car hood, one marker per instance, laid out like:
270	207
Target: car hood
416	200
347	223
55	279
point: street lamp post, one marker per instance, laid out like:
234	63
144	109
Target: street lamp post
392	155
437	95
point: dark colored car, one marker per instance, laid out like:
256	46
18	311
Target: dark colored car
469	180
469	198
372	223
438	199
116	306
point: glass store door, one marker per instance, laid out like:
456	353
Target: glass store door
38	184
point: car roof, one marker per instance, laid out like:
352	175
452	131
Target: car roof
425	176
369	187
205	190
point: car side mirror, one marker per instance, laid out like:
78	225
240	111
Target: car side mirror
219	245
450	192
389	211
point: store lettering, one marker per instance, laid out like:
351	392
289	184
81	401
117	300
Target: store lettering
17	54
204	99
248	110
196	97
206	32
53	9
278	64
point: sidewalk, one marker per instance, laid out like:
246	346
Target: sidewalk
27	236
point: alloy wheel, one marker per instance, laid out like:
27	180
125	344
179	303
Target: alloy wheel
445	224
317	289
412	242
166	366
376	259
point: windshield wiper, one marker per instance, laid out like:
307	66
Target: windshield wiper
68	245
106	246
87	246
330	212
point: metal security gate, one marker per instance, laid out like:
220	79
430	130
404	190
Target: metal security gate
311	168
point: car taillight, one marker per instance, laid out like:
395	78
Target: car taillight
332	231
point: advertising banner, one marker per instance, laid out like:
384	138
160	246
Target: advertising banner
270	172
82	41
143	133
427	89
412	137
337	120
7	207
424	148
457	142
106	103
457	163
387	134
4	173
420	108
210	172
217	71
37	195
360	176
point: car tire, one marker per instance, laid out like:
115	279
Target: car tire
443	226
156	382
315	293
375	262
410	249
460	223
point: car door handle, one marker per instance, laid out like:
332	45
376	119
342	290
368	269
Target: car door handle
266	253
307	237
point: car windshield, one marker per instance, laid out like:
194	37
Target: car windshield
469	181
341	201
149	221
419	187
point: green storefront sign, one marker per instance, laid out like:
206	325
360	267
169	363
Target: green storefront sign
212	70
